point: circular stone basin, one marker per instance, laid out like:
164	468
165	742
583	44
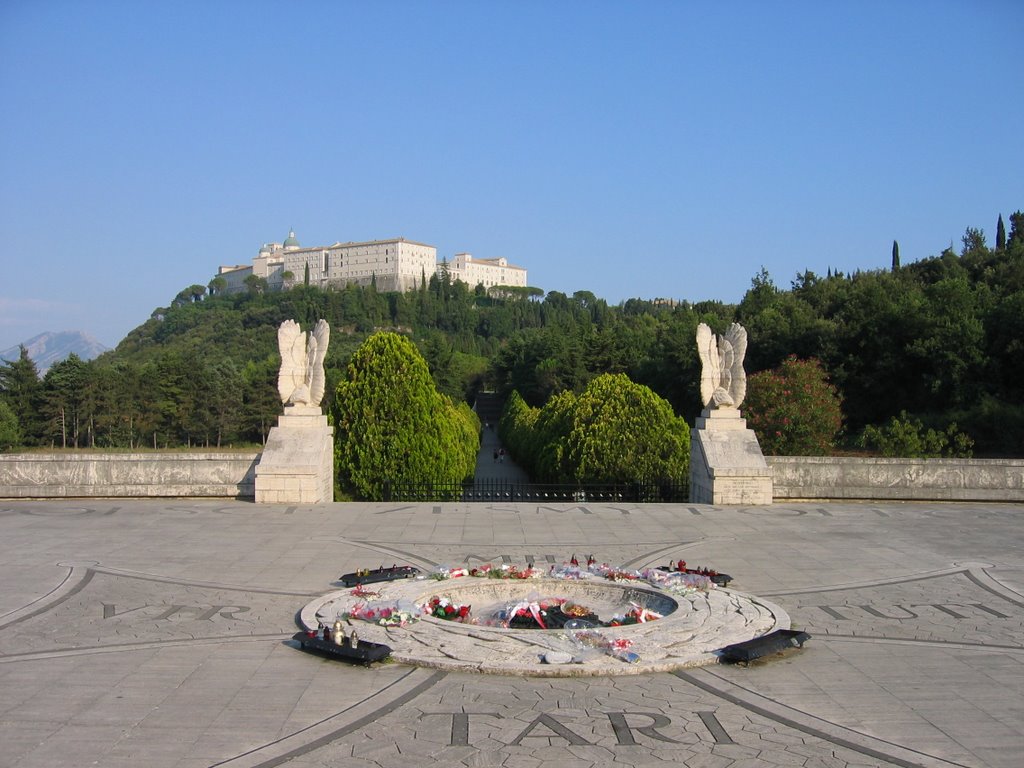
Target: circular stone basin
694	627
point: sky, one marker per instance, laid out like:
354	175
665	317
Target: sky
630	149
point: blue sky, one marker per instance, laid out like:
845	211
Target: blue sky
640	149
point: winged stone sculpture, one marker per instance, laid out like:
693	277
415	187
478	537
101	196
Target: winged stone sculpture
301	379
723	383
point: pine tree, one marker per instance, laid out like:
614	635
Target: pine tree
62	404
1016	229
10	436
20	387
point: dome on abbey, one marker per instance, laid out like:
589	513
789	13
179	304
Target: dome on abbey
291	241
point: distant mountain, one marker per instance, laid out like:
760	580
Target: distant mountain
49	348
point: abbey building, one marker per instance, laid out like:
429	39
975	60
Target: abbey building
393	265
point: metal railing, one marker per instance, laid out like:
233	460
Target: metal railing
654	491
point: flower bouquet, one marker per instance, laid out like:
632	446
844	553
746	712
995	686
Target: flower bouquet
533	612
585	639
618	574
444	608
514	572
441	573
635	615
569	572
678	582
387	613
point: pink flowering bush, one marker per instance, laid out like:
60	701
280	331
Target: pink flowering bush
793	409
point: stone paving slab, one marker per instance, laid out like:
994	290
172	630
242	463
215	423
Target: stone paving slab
158	632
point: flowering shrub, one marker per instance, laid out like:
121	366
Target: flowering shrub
793	409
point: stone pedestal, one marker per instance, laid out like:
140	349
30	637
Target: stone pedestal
726	463
297	464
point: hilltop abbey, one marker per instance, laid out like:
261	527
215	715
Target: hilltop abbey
393	265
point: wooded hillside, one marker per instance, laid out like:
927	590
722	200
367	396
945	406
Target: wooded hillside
941	338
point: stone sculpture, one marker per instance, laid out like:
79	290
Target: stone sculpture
301	379
723	383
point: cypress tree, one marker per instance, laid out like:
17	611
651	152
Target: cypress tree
895	256
393	425
1000	234
623	432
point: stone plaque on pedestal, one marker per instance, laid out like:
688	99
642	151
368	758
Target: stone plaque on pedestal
726	463
297	464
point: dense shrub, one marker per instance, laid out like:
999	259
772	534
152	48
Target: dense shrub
904	436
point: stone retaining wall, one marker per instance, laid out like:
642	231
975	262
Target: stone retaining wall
232	475
814	477
140	475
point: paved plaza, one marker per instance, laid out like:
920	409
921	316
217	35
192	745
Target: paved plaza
157	633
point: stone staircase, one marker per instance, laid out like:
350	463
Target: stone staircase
488	407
